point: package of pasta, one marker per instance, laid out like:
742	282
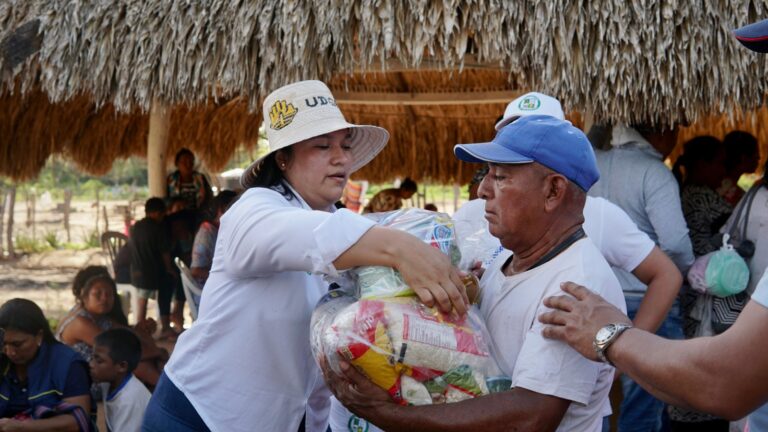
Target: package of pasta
435	229
418	354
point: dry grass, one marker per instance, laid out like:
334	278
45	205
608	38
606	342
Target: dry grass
101	64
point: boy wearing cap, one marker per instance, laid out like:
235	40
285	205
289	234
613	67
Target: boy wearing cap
547	165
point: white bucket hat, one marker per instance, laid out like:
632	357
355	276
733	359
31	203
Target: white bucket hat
531	104
307	109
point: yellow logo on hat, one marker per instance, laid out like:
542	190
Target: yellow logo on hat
281	114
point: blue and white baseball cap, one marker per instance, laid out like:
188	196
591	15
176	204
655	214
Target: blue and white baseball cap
754	36
552	142
532	103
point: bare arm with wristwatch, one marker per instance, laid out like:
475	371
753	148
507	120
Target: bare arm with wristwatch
723	375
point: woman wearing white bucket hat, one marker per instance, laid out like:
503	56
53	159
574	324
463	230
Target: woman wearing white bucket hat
246	362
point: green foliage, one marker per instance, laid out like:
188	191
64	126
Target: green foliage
27	244
126	180
52	239
92	238
91	186
53	323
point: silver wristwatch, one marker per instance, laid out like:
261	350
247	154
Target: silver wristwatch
605	337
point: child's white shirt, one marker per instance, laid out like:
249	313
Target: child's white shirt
126	405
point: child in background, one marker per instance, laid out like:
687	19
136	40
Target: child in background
116	353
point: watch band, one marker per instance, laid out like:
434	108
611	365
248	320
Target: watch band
602	346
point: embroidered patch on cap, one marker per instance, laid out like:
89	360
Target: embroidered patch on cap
281	114
530	103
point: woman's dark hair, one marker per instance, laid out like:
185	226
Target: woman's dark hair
86	277
739	144
268	175
408	185
700	149
182	152
25	316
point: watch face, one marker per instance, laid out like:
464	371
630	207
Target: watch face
604	334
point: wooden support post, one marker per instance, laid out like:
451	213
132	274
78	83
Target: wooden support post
29	200
106	219
67	210
3	194
9	235
98	209
157	145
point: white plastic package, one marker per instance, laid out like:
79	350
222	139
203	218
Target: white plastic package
419	354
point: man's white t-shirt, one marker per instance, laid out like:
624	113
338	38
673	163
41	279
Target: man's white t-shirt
511	305
609	227
125	408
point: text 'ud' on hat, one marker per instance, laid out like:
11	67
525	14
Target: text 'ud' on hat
554	143
531	104
307	109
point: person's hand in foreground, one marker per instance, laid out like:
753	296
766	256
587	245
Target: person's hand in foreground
577	317
354	390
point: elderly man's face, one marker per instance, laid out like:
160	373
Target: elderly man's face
514	201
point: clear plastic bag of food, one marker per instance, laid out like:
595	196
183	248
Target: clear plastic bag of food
418	354
435	229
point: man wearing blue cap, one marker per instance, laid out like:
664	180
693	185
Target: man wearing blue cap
725	375
540	170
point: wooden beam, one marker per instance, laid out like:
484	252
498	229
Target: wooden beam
427	64
443	98
157	145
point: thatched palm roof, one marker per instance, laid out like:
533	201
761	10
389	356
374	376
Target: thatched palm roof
663	62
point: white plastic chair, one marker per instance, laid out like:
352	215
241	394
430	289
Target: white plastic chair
192	290
111	243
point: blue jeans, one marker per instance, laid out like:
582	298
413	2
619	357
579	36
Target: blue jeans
170	411
639	410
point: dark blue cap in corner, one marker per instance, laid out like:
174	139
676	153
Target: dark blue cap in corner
554	143
754	36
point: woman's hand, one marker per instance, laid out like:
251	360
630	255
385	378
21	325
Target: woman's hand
426	270
429	273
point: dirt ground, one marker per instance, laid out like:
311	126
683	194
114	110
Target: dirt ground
45	278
